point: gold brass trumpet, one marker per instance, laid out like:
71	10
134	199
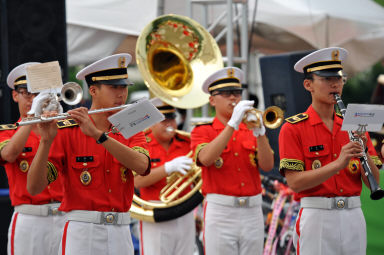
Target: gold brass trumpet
272	117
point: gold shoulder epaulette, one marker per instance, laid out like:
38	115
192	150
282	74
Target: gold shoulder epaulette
7	127
66	123
200	123
340	115
297	118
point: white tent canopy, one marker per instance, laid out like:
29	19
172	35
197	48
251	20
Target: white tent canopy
96	28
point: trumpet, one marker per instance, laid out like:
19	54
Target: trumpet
272	117
376	192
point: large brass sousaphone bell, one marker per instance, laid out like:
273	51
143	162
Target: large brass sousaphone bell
175	55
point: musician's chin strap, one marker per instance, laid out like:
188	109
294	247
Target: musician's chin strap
45	102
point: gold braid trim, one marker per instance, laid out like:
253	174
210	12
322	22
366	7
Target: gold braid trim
3	143
376	160
141	150
291	164
52	173
198	149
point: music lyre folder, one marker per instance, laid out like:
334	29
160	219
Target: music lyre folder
363	117
136	117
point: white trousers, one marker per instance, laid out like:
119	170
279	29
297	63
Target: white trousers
233	230
328	232
83	238
30	234
171	237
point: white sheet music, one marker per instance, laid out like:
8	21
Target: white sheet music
44	77
363	116
136	117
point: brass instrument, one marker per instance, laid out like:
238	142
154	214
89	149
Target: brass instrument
272	117
175	55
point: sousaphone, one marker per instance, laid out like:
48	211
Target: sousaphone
175	55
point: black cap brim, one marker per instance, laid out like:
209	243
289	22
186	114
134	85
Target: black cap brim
229	88
22	86
329	73
171	115
122	82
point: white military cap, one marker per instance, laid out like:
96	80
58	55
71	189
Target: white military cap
326	62
228	78
111	70
17	78
167	110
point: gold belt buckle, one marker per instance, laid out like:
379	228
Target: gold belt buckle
340	203
242	202
110	218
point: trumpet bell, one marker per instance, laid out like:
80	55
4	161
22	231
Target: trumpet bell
273	117
71	93
175	55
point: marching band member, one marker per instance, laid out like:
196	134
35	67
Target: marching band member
231	155
96	167
167	150
321	164
36	224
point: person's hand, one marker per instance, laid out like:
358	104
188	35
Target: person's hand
238	113
45	102
80	115
259	131
348	151
180	164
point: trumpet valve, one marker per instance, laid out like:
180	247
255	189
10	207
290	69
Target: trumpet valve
251	119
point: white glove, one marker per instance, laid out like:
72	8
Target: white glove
180	164
238	113
45	102
261	130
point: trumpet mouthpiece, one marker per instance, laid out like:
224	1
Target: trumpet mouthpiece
233	104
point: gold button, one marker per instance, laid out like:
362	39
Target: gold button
242	202
238	169
338	173
341	190
109	190
242	184
113	209
23	154
234	139
154	164
107	170
49	187
85	164
236	154
335	155
316	153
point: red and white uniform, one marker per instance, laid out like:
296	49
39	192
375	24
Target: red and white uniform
233	216
305	146
34	228
94	181
175	236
